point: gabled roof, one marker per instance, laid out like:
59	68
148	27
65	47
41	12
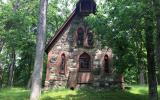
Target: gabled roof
59	33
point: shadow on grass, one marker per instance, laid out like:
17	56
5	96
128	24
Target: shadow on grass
98	94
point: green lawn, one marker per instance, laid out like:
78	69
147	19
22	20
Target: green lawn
135	93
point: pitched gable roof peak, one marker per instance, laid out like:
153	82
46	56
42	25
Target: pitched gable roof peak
83	8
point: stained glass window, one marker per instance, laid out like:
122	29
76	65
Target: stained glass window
80	37
84	62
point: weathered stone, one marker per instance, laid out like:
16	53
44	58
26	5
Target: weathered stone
66	44
97	71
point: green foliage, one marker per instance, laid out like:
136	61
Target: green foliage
120	26
18	35
18	31
130	76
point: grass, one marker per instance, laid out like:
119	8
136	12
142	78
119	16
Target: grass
135	93
14	94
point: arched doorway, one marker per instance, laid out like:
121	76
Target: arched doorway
84	73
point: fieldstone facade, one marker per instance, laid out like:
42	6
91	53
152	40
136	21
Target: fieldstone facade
71	65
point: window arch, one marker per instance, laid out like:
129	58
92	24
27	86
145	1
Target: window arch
62	64
84	62
80	36
106	64
89	38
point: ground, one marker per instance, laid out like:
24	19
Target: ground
134	93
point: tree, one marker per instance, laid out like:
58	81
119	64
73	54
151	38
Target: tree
156	6
1	46
152	81
13	53
123	26
12	67
119	25
18	31
40	46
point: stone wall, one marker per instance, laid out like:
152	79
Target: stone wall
67	45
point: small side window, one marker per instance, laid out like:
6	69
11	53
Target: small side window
63	64
106	64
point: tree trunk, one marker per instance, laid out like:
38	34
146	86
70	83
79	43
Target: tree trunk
121	78
15	5
29	82
141	78
11	68
31	59
158	77
1	74
146	77
156	5
1	69
40	46
152	81
1	45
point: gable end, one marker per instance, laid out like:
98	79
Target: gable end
59	33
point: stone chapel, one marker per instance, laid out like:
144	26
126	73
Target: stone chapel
74	59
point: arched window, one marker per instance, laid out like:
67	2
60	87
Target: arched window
80	37
63	64
84	62
106	64
90	38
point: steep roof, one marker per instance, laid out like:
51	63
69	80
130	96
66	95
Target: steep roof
54	39
79	10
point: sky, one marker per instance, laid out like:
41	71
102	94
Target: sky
5	1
